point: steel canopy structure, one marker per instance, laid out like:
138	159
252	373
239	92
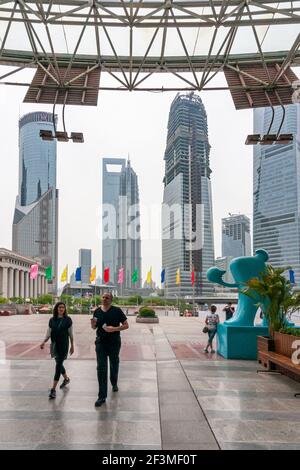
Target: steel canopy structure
85	46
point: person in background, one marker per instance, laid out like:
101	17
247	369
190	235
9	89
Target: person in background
211	321
108	320
229	310
60	331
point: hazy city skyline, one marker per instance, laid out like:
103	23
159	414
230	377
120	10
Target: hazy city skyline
134	123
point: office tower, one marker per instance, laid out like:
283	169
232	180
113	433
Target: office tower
121	242
187	201
85	262
35	224
223	262
276	197
236	239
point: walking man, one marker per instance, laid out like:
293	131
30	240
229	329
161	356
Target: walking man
229	311
108	320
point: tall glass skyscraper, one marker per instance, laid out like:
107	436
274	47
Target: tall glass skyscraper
85	262
35	224
121	242
276	197
187	201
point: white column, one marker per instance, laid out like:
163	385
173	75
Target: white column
31	294
22	290
39	285
4	287
45	285
10	282
35	287
26	284
16	283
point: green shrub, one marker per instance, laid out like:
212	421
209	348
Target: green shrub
134	300
45	299
290	331
3	300
147	312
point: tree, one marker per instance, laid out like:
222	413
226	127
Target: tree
274	295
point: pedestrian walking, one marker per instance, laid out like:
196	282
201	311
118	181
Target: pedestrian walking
229	311
211	322
60	331
108	320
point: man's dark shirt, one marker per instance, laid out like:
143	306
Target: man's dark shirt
113	317
229	312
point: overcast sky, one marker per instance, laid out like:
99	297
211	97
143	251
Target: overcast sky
124	123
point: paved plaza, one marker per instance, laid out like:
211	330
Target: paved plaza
171	394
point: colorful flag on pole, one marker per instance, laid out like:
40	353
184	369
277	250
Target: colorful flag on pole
106	275
135	275
121	276
64	275
149	276
78	274
193	277
163	276
48	273
292	276
34	269
93	274
178	276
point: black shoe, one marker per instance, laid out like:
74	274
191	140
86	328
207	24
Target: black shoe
65	382
52	393
100	402
115	388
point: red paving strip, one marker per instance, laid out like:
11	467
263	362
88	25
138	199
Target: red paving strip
191	351
30	350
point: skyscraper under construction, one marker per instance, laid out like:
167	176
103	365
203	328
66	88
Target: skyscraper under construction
187	224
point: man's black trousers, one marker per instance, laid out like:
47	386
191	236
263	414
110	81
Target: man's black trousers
105	350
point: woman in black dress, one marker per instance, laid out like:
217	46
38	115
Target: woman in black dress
60	331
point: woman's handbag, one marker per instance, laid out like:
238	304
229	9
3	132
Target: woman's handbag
205	329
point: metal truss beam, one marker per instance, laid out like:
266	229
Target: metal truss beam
107	18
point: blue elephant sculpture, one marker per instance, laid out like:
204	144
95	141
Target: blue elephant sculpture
242	269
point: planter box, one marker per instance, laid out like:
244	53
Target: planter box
264	343
147	320
283	343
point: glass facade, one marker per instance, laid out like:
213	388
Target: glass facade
85	262
35	224
37	170
276	197
236	239
187	184
121	248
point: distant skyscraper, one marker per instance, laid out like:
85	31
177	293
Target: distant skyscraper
35	224
85	262
187	182
120	192
276	198
236	239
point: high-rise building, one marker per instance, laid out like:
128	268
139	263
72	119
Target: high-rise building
35	224
121	241
187	201
223	263
276	197
236	238
85	262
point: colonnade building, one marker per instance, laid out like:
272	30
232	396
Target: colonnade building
15	276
